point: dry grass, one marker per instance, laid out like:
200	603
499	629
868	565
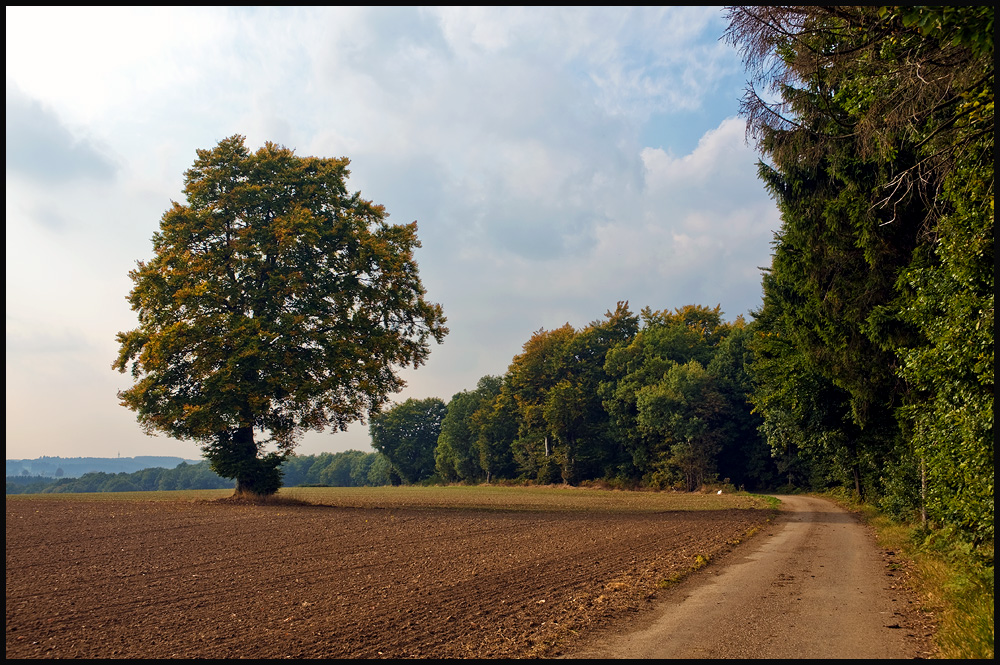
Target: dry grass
473	497
501	497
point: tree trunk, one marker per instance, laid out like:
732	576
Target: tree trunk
243	446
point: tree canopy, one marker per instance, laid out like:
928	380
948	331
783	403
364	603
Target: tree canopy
657	399
275	303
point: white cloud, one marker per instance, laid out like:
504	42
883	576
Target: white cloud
720	154
93	59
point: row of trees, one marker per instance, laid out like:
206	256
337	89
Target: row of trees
873	350
657	399
352	468
182	477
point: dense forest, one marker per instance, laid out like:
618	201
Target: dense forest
873	351
656	399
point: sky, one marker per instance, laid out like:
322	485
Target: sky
556	160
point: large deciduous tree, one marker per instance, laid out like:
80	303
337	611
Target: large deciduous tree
476	434
275	303
455	456
642	362
564	430
682	412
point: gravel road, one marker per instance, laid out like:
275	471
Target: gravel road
813	585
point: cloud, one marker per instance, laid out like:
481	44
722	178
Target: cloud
91	61
523	114
41	147
720	157
635	61
694	232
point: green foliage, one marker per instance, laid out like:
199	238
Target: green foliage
744	457
666	408
682	410
530	377
379	473
235	454
476	434
304	469
455	453
948	296
276	303
553	388
351	468
967	26
615	403
495	423
407	434
183	477
961	577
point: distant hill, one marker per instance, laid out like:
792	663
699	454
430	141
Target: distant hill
74	467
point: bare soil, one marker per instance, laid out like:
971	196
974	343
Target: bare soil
181	579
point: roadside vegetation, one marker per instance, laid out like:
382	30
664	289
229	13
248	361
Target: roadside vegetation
958	582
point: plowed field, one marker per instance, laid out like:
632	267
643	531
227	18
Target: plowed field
156	579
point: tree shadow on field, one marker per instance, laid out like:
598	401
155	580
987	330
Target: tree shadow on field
250	499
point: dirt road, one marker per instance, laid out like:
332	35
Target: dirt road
814	585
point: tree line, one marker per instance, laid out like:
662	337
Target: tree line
873	348
655	399
184	476
352	468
